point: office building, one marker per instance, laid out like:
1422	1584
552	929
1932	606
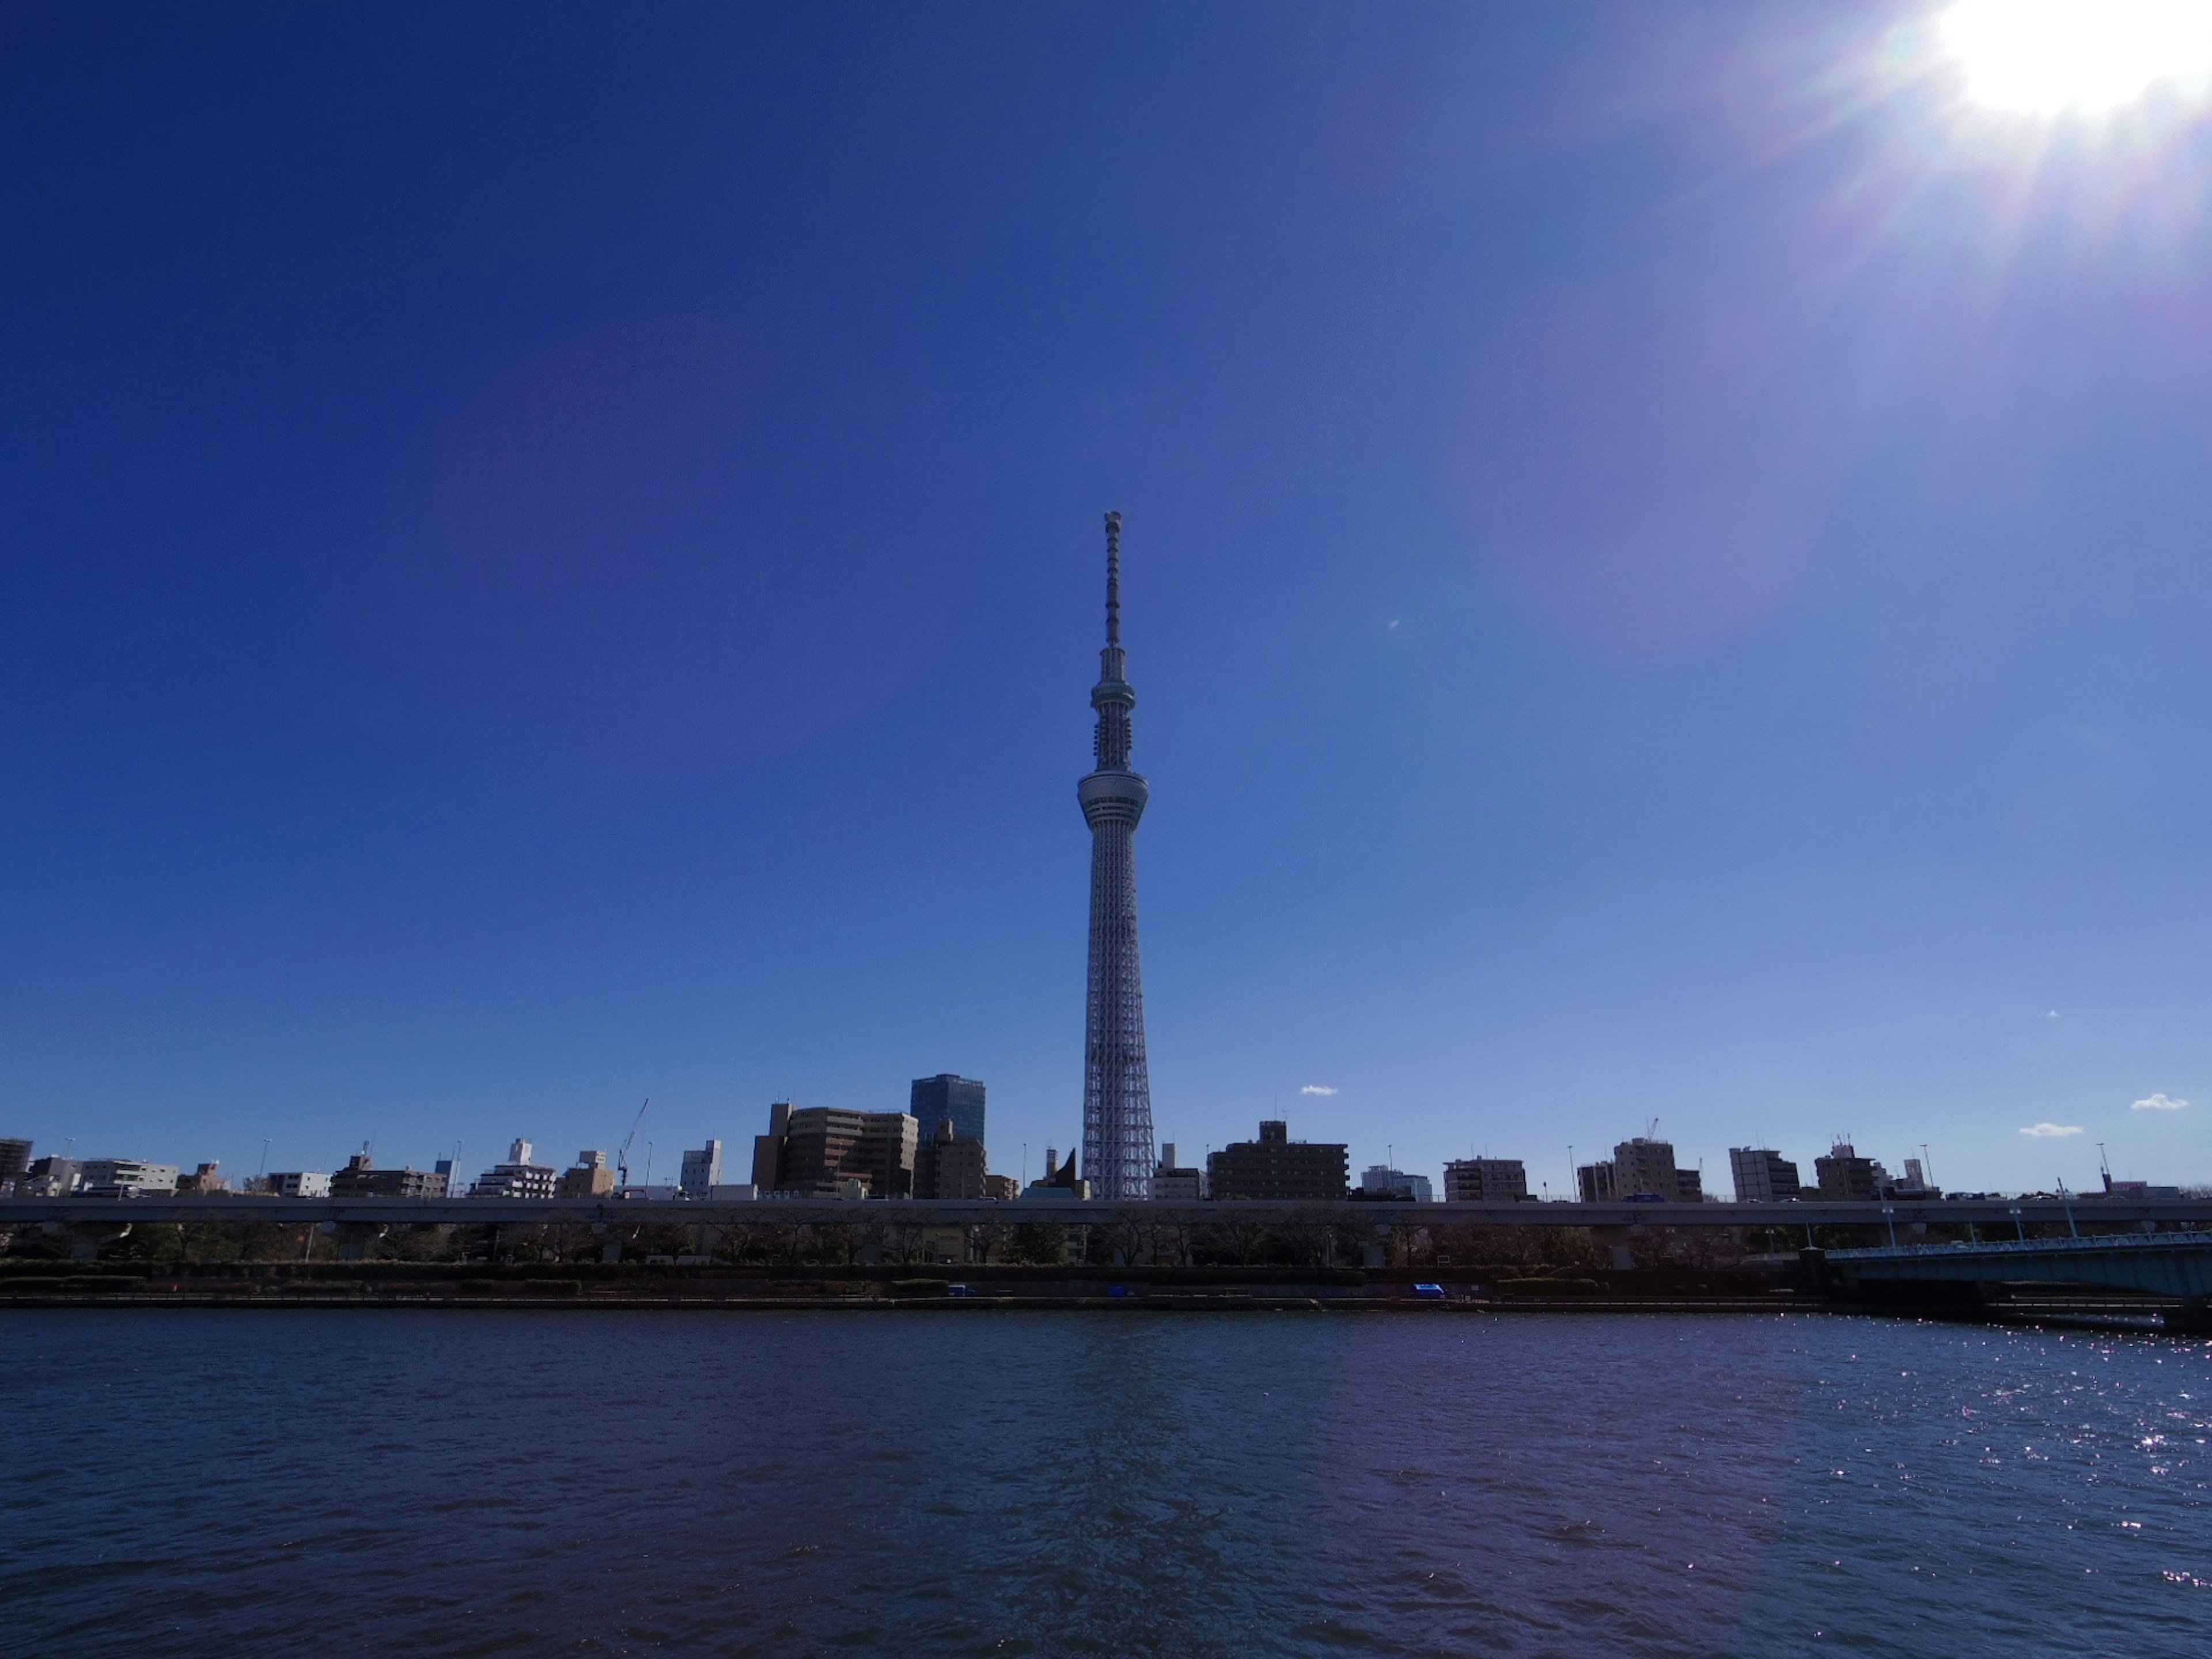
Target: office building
14	1159
1001	1188
52	1178
1843	1174
127	1177
817	1149
358	1180
299	1183
1117	1090
208	1178
518	1178
1645	1168
1762	1176
1486	1180
1275	1166
1380	1181
589	1176
932	1100
768	1149
702	1171
448	1171
949	1166
1594	1183
1171	1179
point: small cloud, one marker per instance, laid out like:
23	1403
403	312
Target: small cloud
2045	1131
2158	1104
1393	622
1316	1089
2051	1014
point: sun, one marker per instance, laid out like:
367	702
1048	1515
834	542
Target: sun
2077	56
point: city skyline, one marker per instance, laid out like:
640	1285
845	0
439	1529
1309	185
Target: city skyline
1666	594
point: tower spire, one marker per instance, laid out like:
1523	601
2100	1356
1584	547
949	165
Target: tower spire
1113	579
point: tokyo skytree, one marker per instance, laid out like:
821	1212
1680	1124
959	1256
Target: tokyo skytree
1117	1093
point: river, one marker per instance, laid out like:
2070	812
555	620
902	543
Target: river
242	1483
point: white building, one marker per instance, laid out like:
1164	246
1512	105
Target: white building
1172	1180
300	1184
517	1177
126	1177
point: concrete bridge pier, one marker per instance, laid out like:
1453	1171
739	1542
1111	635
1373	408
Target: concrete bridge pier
1376	1253
355	1238
1620	1254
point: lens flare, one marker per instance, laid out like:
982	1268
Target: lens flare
2078	57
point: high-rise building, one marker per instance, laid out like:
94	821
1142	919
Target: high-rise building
950	1165
1644	1168
1485	1180
768	1149
933	1099
817	1149
1594	1183
1117	1090
1275	1166
1761	1175
1844	1174
702	1171
15	1158
518	1178
1381	1181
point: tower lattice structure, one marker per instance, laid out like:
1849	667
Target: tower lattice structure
1117	1090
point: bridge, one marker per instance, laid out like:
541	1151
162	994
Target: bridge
2177	1265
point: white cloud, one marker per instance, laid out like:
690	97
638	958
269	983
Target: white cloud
2158	1104
2043	1131
1316	1089
2051	1014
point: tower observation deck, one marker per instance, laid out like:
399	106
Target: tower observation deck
1117	1091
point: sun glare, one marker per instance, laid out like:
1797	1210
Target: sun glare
2087	56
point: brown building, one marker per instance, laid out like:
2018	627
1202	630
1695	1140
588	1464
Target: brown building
1844	1174
1275	1166
357	1180
1485	1180
590	1178
813	1150
949	1167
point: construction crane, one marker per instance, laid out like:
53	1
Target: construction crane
621	1157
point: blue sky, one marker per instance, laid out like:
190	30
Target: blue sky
552	556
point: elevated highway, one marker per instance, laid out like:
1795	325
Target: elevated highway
2000	1215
